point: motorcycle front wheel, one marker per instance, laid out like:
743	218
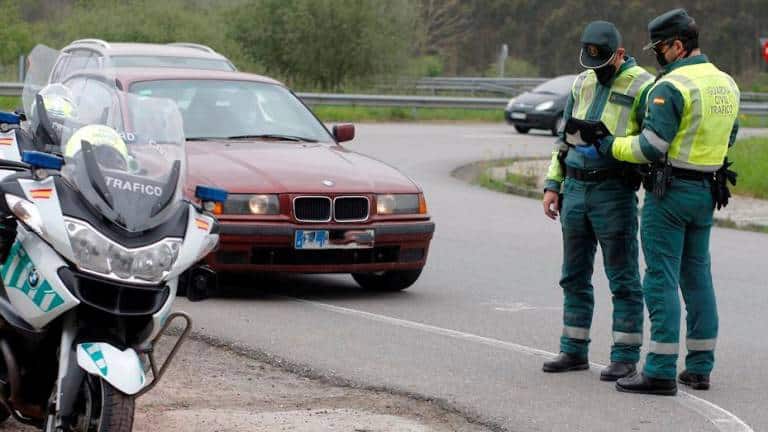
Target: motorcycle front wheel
100	408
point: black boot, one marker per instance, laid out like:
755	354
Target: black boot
566	362
694	381
639	383
617	370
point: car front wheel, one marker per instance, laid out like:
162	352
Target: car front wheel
522	129
394	280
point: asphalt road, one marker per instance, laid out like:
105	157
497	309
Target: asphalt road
476	327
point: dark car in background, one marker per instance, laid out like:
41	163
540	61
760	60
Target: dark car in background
542	107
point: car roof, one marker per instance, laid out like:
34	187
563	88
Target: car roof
115	49
128	76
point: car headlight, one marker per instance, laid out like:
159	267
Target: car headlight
545	106
393	204
241	204
26	212
510	103
96	253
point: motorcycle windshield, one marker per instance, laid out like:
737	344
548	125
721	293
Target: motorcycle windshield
124	153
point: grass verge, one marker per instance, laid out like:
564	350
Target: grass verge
750	160
355	113
9	103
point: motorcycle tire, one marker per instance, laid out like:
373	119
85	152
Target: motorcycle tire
100	408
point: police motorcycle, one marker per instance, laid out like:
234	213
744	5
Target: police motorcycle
103	236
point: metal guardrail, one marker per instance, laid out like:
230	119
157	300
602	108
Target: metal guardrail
751	103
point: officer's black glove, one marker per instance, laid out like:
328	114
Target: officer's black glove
720	191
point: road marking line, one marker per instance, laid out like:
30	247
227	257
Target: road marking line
722	419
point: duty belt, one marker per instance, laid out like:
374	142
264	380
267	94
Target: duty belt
686	174
596	175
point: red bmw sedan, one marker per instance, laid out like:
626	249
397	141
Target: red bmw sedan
298	200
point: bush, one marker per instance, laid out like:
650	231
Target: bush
325	43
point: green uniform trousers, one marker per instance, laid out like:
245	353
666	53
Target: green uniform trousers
606	213
675	235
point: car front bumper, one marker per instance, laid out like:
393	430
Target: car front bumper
534	120
269	247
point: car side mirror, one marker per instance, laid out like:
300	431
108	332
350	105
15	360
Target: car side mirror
344	132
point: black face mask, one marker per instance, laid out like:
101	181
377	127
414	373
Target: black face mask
605	73
661	59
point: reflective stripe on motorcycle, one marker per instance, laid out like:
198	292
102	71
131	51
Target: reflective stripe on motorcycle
94	352
19	273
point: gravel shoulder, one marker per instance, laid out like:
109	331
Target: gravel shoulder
211	388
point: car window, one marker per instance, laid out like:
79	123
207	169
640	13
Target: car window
174	62
558	86
220	109
74	61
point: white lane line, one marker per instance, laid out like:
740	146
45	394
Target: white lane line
722	419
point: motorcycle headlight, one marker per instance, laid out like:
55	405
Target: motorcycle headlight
241	204
90	250
26	212
545	106
391	204
98	254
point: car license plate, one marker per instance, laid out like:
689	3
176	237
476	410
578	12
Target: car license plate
518	116
311	239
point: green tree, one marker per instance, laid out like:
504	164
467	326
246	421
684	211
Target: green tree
325	43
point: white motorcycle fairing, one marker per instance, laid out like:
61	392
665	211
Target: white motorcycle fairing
122	369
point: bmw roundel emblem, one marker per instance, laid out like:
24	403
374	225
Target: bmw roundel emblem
329	183
33	278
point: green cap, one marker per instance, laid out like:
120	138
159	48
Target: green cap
599	41
670	24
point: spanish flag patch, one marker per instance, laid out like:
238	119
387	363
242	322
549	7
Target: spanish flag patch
6	141
41	193
659	101
202	224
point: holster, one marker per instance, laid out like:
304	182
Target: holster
632	176
658	179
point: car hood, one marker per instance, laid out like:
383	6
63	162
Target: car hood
286	167
529	100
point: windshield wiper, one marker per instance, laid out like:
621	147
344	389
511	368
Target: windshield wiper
275	136
204	138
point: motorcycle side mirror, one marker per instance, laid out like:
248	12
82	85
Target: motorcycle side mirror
344	132
202	282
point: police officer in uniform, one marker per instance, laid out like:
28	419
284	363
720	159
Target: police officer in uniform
599	205
690	124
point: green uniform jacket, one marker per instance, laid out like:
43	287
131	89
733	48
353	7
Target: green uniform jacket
603	95
663	119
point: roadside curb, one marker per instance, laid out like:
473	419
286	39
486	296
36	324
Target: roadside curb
473	172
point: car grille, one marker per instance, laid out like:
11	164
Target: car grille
350	209
312	209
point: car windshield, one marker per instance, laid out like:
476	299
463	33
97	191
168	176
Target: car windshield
223	109
558	86
171	62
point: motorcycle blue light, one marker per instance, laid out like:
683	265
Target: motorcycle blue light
9	118
207	193
42	160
